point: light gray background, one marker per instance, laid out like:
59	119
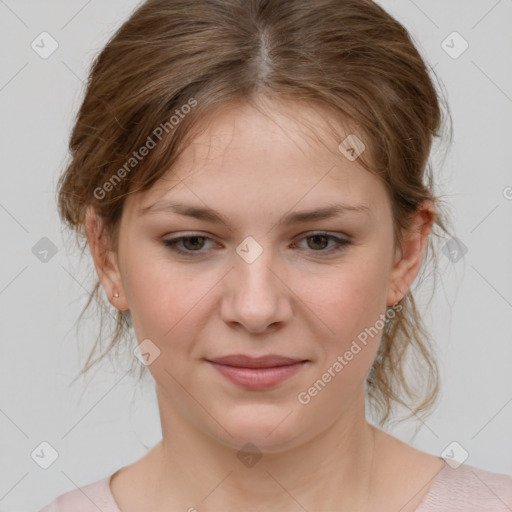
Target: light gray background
94	426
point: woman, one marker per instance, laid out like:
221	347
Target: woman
251	178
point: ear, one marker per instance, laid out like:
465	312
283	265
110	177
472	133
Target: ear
409	255
105	260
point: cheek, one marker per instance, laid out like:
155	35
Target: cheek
167	302
354	309
353	306
352	297
154	292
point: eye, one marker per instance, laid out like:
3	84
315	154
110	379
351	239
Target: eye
194	242
320	240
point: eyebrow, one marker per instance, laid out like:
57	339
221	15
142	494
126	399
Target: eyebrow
213	216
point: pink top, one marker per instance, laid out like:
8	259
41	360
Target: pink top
464	489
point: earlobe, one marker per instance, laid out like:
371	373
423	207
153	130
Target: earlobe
105	260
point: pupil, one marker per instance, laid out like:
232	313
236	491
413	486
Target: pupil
195	238
315	237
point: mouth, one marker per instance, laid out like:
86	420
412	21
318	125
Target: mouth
257	372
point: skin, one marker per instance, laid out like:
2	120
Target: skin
295	299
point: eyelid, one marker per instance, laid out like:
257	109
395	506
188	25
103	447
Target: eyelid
313	232
340	242
305	234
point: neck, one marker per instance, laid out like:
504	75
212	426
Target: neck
332	470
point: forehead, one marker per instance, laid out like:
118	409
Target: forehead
284	154
280	132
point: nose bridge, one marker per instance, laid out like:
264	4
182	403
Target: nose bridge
256	296
253	270
256	275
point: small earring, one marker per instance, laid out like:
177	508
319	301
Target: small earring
116	294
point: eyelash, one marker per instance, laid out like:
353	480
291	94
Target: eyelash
340	244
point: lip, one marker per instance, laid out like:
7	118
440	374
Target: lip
257	372
244	361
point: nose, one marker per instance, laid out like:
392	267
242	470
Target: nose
256	295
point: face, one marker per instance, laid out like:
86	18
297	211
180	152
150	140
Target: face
257	279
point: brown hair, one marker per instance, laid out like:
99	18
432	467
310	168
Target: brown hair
348	55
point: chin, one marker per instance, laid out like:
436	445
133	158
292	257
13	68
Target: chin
269	431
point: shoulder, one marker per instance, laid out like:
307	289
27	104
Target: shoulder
88	498
469	489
